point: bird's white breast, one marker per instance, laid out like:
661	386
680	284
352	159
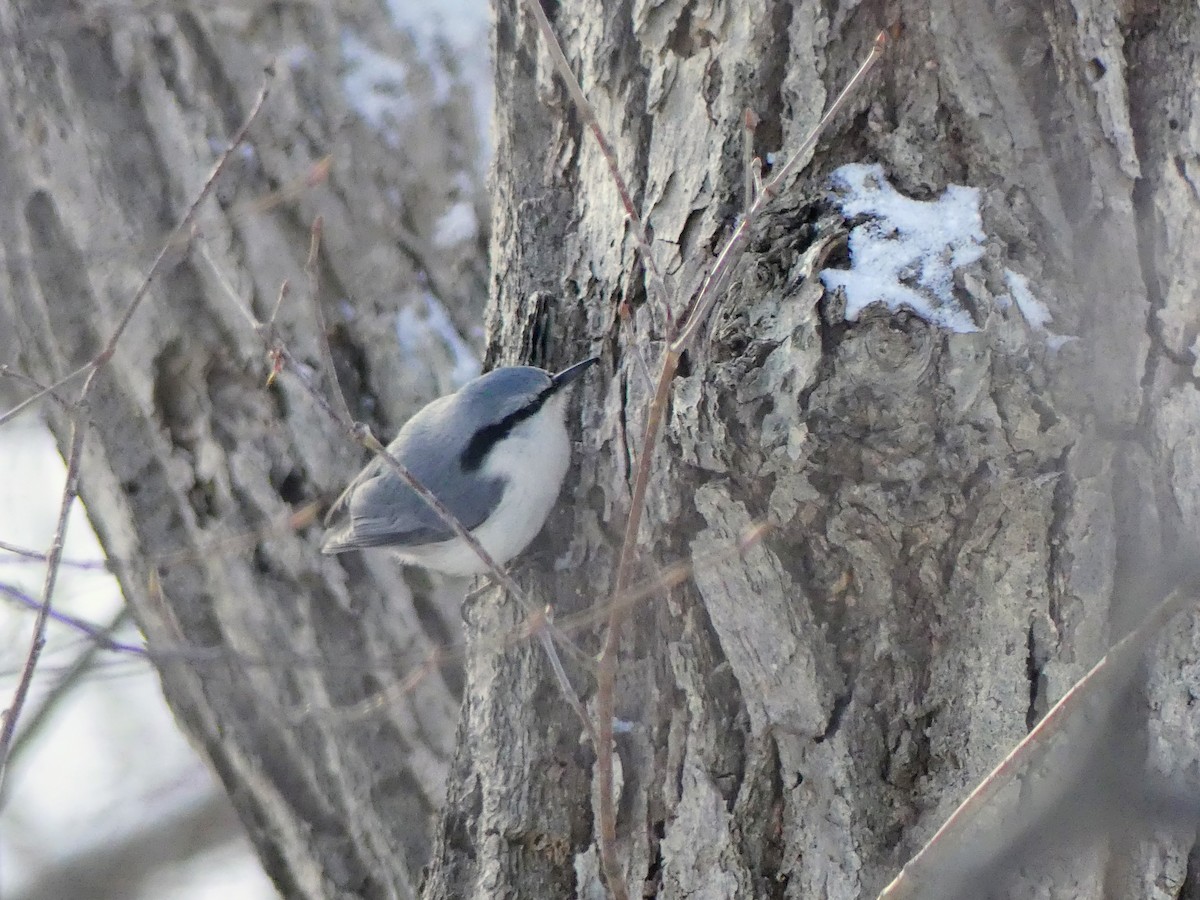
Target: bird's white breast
533	460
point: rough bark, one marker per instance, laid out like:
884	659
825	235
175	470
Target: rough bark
961	522
193	464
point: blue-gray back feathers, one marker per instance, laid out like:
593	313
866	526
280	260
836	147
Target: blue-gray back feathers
444	445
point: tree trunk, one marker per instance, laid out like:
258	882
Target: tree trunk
961	520
194	467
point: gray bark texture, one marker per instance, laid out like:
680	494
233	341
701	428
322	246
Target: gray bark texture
194	466
961	524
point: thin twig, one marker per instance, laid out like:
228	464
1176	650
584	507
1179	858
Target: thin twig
714	283
36	556
202	249
706	299
101	640
311	271
79	428
658	285
295	520
8	724
283	292
1113	668
607	669
45	392
625	318
7	371
361	433
94	633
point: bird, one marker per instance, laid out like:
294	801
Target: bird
495	453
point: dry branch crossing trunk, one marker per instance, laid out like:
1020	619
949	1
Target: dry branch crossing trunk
967	490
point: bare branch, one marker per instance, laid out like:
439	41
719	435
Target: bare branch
314	296
709	294
9	723
100	640
44	392
7	371
658	285
714	284
36	556
97	634
282	358
79	428
1113	670
607	671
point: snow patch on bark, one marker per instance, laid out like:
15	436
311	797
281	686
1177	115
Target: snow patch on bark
904	254
1036	313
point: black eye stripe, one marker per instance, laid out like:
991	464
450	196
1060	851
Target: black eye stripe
485	439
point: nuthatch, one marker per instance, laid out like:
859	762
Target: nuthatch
495	453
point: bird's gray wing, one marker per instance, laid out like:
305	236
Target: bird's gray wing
384	511
338	509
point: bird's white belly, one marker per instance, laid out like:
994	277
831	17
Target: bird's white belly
533	460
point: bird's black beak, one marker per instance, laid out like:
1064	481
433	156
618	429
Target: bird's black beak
569	374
